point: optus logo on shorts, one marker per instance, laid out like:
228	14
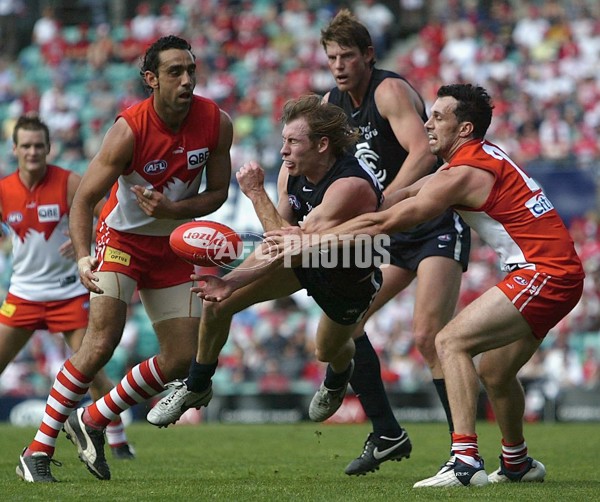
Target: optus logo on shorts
197	158
8	309
115	256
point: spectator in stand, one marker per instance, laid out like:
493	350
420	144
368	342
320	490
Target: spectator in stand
378	19
555	135
59	108
94	138
10	10
168	22
143	24
531	28
46	28
8	80
30	99
102	49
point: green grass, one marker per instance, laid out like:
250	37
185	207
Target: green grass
298	462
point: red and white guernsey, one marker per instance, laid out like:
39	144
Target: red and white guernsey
38	219
168	162
517	220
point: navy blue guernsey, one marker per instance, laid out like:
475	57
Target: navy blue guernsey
379	149
303	196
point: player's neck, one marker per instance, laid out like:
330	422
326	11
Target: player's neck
357	95
32	178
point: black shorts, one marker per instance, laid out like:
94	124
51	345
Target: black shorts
345	303
447	236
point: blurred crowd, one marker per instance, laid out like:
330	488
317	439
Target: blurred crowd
539	60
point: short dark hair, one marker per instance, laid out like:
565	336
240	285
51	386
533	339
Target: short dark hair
151	59
345	30
30	123
474	105
323	119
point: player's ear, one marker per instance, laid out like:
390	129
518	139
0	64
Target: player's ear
151	79
465	129
323	143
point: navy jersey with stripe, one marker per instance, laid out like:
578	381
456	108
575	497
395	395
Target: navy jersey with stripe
380	150
303	196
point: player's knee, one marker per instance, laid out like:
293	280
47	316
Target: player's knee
491	378
98	351
425	343
443	345
325	354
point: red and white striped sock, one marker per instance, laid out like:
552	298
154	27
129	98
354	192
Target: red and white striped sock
514	455
69	387
465	448
139	384
115	433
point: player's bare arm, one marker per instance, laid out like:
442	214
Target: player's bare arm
251	180
395	103
403	193
343	200
109	163
259	263
462	186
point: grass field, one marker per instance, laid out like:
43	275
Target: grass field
298	462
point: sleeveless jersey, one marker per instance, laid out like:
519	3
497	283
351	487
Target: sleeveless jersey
380	150
303	196
38	222
169	162
517	220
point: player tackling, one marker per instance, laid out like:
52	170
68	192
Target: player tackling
508	322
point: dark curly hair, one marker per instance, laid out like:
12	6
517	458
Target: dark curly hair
151	59
474	105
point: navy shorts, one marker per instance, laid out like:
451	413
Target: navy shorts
451	245
345	303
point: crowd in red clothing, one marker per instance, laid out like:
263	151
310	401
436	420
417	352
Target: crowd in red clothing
539	60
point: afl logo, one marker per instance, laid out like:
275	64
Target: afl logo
294	202
15	217
519	280
155	167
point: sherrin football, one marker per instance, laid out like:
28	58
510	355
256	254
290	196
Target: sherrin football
206	243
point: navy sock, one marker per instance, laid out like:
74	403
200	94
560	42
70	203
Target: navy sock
440	387
333	380
200	376
368	386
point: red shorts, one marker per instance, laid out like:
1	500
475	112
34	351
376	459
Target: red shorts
542	300
147	259
57	317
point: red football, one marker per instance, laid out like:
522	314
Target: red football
206	243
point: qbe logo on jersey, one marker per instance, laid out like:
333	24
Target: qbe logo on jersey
539	205
49	212
197	158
